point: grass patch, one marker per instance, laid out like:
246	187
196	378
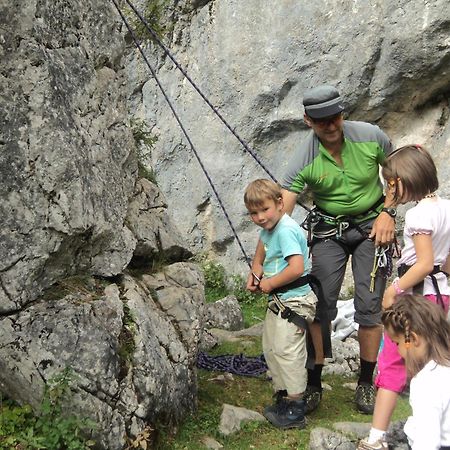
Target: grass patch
81	287
218	285
255	393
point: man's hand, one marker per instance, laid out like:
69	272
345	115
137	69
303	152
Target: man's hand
383	230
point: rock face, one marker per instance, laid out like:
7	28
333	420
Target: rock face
253	60
67	163
132	347
74	216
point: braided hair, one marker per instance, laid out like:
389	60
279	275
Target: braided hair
415	314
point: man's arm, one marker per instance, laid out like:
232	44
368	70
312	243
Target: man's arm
383	229
289	201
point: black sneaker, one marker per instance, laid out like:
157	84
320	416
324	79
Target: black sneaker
312	397
288	414
365	398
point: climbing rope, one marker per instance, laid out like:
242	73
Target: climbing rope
237	364
193	84
133	35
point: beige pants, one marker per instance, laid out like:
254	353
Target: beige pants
284	346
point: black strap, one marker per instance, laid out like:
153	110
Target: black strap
418	288
299	282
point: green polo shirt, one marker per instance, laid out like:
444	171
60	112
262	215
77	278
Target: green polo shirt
348	190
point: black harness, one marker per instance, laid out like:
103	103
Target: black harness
418	288
277	305
321	225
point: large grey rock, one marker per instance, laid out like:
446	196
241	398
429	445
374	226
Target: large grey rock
225	314
254	59
134	363
67	163
152	227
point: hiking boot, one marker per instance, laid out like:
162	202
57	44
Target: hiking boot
380	444
312	397
287	414
278	397
365	398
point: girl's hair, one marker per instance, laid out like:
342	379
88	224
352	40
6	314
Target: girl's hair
260	190
414	313
414	166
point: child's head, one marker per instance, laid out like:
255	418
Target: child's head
410	173
421	331
264	201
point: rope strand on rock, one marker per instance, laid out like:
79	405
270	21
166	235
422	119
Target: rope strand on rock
133	35
198	90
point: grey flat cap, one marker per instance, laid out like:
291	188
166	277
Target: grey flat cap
322	101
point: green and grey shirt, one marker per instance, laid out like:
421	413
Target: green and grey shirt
349	190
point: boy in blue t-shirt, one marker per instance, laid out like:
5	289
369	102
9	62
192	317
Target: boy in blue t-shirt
281	258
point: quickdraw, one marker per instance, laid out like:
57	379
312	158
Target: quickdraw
382	262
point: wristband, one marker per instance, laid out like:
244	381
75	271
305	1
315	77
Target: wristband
397	288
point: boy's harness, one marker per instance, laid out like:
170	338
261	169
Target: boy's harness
287	313
418	288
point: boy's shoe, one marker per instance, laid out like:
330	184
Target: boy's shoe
365	398
287	414
381	444
312	397
279	396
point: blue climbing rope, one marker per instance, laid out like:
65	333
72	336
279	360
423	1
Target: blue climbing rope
249	366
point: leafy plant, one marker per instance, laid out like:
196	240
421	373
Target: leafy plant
215	281
153	13
51	429
145	140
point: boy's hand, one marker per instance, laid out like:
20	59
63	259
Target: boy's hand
252	282
265	286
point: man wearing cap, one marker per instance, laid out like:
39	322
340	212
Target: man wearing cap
339	163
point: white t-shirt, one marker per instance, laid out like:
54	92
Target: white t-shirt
429	426
429	216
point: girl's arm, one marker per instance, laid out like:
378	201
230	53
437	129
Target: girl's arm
446	266
417	273
294	270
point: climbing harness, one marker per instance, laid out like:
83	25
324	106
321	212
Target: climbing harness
321	225
418	288
278	307
250	366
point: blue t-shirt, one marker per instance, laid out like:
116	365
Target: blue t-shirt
286	239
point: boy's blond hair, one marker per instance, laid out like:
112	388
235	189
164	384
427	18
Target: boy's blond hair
260	190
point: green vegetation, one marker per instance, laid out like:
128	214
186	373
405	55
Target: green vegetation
153	13
219	285
51	429
254	394
145	140
127	345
